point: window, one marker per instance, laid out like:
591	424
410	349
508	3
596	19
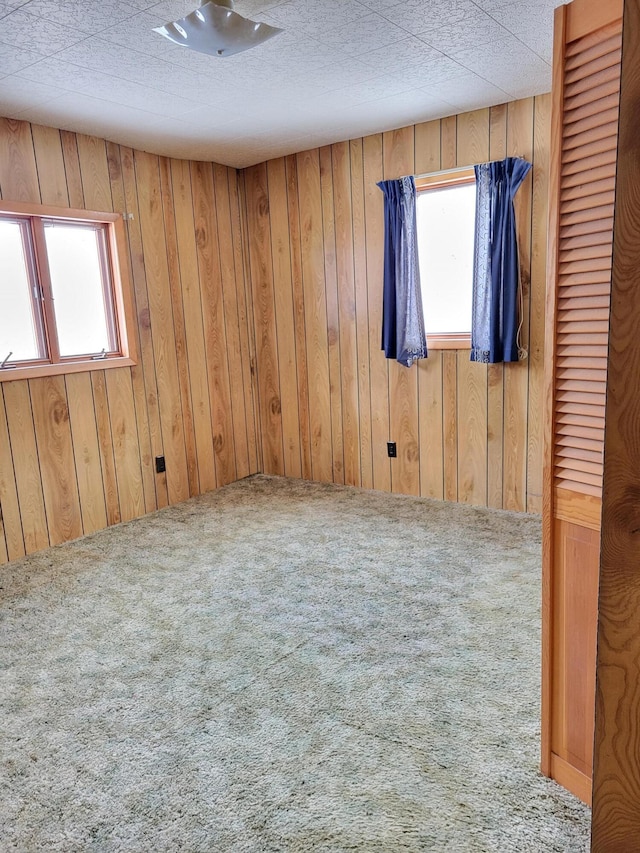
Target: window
445	211
63	303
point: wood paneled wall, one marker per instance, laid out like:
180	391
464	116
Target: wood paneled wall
258	301
77	451
328	399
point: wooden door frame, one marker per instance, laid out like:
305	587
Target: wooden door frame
616	785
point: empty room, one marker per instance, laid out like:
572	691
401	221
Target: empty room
318	458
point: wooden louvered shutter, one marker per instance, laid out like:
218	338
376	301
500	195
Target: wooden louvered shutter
587	55
585	238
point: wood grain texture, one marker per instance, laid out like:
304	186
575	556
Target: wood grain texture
145	340
616	782
214	321
194	330
86	451
126	451
26	465
284	315
258	221
245	323
447	416
343	210
18	171
118	193
82	447
9	506
580	214
398	149
193	232
520	130
233	349
362	314
180	332
293	213
315	311
162	329
333	317
379	366
47	147
55	454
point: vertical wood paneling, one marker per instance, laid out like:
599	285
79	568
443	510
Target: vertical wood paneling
194	330
94	172
145	341
315	314
362	316
11	522
343	209
464	431
162	328
520	128
495	372
72	168
379	369
18	173
539	218
333	319
293	213
450	420
86	452
209	353
105	445
124	435
245	324
77	451
214	323
428	146
258	221
398	160
281	258
449	159
472	146
175	286
47	146
116	177
25	464
233	348
55	452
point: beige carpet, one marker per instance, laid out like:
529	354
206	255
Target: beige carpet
280	666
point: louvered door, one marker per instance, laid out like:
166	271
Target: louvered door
587	53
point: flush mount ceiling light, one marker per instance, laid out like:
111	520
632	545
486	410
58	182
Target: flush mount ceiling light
217	30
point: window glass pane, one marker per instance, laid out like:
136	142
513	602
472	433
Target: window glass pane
446	222
18	330
76	269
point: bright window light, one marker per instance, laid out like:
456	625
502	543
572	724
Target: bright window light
18	330
81	298
63	306
446	223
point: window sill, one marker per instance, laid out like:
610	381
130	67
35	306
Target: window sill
13	374
435	342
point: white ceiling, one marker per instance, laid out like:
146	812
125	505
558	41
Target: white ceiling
341	69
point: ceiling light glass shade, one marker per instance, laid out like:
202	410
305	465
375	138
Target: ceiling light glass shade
217	30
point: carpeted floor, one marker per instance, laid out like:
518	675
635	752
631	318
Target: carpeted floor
280	666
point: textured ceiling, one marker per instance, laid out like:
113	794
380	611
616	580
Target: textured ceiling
341	69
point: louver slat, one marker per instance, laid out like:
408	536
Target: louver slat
587	183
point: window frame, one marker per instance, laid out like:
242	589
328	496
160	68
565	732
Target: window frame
120	315
447	179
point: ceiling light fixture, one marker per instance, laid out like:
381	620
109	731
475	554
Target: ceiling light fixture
217	30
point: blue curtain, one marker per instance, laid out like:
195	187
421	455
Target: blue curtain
403	336
494	319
